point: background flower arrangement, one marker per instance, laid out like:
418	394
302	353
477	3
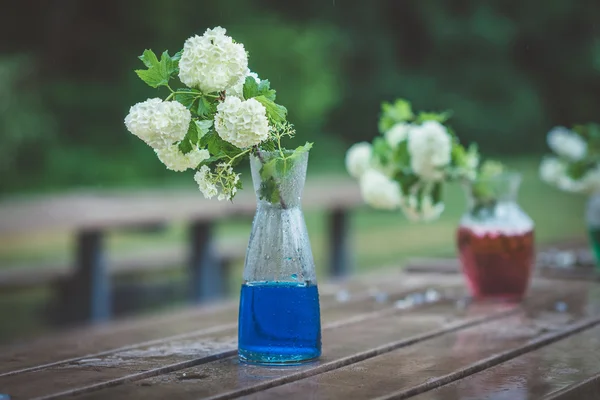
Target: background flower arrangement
575	164
219	115
406	166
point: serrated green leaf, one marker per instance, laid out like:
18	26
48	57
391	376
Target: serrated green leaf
203	126
206	107
190	139
391	114
158	72
250	88
264	89
269	191
275	112
217	146
188	97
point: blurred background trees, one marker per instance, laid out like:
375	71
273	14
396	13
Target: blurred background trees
509	69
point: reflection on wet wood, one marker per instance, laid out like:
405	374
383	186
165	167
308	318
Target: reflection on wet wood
390	336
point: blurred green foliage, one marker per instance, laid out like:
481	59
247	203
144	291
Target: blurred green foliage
508	69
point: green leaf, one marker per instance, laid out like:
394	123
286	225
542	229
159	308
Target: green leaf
264	89
206	107
188	98
382	150
275	112
190	139
250	88
399	111
430	116
217	146
203	126
269	191
158	72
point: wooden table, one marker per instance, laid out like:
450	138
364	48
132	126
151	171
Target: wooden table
91	216
385	336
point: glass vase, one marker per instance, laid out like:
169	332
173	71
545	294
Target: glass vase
495	240
279	317
592	219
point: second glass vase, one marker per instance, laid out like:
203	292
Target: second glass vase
279	317
496	241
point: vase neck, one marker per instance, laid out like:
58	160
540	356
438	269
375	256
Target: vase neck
488	194
278	182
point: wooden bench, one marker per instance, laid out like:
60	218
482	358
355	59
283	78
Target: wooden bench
90	216
409	343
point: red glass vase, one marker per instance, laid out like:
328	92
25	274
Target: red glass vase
495	241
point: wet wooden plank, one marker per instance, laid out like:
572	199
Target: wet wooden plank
182	352
406	371
567	369
343	345
91	342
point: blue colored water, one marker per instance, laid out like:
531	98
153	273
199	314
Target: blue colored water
279	322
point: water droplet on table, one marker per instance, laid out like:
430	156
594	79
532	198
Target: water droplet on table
561	306
342	296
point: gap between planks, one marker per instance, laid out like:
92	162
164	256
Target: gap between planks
304	374
361	296
492	361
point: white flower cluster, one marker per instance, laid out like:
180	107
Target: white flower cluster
379	191
430	148
158	123
567	144
222	183
569	147
242	123
358	159
212	62
554	172
175	160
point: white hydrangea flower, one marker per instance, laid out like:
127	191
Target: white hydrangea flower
397	134
430	147
379	191
212	62
551	168
567	144
237	90
206	183
554	171
175	160
158	123
358	159
242	123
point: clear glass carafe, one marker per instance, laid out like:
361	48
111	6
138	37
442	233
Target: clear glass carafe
279	320
495	239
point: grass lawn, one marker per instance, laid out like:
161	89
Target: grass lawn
379	238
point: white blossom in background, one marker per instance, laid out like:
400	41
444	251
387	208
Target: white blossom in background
358	159
212	62
237	90
397	134
175	160
429	210
551	169
430	147
158	123
554	171
206	183
379	191
242	123
567	144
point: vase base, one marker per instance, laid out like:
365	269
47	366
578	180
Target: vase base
271	358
